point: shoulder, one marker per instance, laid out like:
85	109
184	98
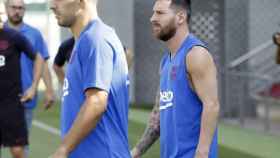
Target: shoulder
32	30
88	39
199	53
15	35
11	32
199	58
87	44
94	37
68	42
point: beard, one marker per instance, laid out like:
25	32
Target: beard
65	21
166	32
16	20
64	24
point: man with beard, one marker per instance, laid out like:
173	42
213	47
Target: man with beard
15	10
189	105
95	92
13	131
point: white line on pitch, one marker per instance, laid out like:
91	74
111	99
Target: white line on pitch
46	127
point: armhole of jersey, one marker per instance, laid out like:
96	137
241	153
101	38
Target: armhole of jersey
185	63
187	52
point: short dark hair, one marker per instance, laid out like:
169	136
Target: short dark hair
185	4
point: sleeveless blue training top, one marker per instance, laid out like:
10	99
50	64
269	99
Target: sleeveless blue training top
180	107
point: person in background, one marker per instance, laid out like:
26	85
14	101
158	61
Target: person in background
15	10
13	130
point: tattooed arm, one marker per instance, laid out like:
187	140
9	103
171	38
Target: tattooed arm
151	134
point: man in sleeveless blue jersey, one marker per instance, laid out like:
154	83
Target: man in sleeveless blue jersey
94	116
189	104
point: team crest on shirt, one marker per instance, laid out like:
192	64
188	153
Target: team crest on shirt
2	61
173	72
4	45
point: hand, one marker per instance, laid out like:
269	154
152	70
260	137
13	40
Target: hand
135	153
48	99
60	153
28	94
201	154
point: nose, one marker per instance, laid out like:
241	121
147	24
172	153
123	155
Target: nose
17	11
152	19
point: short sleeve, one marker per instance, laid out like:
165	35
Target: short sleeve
96	58
41	46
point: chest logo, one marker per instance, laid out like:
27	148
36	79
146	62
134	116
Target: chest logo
166	96
65	88
166	99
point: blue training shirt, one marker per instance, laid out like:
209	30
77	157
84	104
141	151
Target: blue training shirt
180	107
98	61
38	43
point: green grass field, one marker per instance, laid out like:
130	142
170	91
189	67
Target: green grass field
249	144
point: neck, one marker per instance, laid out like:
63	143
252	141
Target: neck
14	26
177	40
87	15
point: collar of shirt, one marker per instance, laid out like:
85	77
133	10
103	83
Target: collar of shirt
23	27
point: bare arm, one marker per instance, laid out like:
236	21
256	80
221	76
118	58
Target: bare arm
278	54
277	42
49	93
87	119
37	72
202	71
151	134
129	57
59	71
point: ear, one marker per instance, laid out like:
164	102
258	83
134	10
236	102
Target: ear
82	3
181	17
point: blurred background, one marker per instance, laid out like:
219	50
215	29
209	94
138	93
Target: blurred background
239	36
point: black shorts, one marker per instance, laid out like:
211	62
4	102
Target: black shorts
13	130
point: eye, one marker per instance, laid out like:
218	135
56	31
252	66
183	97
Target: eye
160	12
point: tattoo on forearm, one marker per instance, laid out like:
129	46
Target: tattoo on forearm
152	131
